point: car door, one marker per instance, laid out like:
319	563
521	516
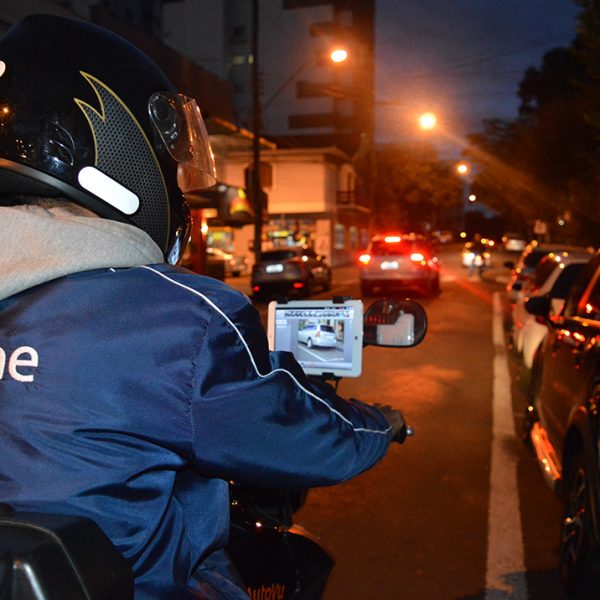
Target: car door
566	376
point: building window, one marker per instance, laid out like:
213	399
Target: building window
353	237
339	236
310	121
288	4
364	238
238	34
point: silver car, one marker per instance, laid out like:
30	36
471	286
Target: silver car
316	334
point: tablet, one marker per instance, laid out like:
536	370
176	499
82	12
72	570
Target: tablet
325	336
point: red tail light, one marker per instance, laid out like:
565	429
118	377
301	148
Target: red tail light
364	259
417	257
298	285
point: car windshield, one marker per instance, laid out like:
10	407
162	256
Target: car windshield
278	255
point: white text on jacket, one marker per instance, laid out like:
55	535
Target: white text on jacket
22	357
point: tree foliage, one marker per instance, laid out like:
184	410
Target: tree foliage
411	187
546	163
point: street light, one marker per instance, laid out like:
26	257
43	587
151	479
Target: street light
427	120
338	55
463	169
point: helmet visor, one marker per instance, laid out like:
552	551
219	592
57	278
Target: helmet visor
180	126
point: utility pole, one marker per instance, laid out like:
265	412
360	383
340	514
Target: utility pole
256	190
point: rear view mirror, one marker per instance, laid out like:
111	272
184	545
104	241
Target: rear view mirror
393	322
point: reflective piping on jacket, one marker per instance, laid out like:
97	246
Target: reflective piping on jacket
261	375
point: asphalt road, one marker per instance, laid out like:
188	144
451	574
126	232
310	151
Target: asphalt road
461	510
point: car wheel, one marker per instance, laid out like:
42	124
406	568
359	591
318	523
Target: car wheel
327	282
309	343
578	551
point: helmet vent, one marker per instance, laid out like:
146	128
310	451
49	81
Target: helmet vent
60	144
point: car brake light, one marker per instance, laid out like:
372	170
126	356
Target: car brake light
318	334
417	257
256	288
298	285
364	259
391	239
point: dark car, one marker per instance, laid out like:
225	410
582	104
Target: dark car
523	270
563	420
402	261
297	269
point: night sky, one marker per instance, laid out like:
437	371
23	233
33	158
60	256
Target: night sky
462	59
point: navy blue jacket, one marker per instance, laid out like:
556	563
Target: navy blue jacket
132	396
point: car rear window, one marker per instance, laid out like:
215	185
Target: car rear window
543	271
327	328
533	258
381	248
278	255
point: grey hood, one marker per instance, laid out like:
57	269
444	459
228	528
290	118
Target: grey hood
38	244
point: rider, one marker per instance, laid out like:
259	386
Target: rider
131	390
478	251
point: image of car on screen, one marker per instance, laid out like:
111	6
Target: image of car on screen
316	334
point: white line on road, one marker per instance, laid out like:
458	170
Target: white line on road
505	571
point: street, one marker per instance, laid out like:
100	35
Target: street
434	520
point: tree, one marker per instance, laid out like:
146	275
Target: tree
545	163
412	187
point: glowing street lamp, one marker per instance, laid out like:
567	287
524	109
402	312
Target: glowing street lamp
463	168
427	120
338	55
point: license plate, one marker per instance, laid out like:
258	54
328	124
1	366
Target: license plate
387	265
274	268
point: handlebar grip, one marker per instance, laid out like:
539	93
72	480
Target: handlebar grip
403	433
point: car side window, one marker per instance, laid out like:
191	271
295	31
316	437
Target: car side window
577	289
563	284
590	307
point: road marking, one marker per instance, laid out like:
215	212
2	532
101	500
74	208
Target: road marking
505	571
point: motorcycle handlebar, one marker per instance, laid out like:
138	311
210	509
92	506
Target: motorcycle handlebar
404	432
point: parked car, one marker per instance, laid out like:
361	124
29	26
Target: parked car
563	420
400	261
514	242
522	271
317	334
552	279
297	269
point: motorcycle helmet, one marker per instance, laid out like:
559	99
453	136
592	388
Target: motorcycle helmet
86	115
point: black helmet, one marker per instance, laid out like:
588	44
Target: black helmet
85	115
